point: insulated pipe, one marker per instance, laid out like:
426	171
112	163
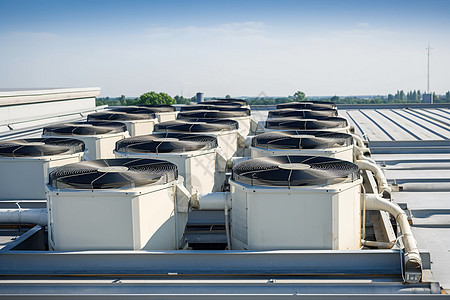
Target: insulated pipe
24	216
359	154
381	245
413	261
359	141
379	176
214	201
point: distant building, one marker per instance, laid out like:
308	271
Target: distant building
427	98
200	97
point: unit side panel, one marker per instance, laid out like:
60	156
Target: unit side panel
347	207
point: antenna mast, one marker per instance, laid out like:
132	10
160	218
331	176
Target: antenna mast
428	68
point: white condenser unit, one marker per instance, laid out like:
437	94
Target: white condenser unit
162	112
226	131
137	123
242	115
26	163
336	124
295	203
99	137
116	204
308	105
319	143
302	113
227	102
195	156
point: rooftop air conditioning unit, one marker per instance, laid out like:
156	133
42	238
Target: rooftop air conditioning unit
318	143
137	124
329	124
116	204
303	113
99	137
242	115
25	165
307	105
163	112
296	203
234	107
195	156
224	130
230	102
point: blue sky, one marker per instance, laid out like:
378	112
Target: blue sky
239	48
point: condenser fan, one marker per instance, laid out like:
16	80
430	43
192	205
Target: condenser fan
169	142
306	124
211	107
196	126
120	116
84	128
37	147
214	114
303	113
113	174
301	140
144	109
298	170
229	101
159	107
307	104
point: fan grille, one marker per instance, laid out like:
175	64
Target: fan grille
143	109
226	101
307	104
38	147
301	140
84	128
122	116
303	124
160	107
189	126
284	171
166	143
213	114
113	174
304	113
233	107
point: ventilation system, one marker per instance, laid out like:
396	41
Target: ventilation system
99	137
224	130
241	115
195	156
25	165
137	124
303	113
234	107
116	204
319	143
295	202
329	124
307	105
163	112
230	101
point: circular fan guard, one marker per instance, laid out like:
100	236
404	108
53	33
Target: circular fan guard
38	147
84	128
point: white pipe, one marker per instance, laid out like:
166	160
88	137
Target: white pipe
413	261
214	201
377	172
359	154
359	141
24	216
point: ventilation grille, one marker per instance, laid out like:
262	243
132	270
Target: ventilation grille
85	128
303	124
39	147
182	126
113	174
122	116
226	101
301	140
299	170
144	109
307	105
234	107
166	143
213	114
303	113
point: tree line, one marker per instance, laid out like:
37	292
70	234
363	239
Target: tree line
152	98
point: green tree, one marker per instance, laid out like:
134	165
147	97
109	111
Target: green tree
153	98
334	99
299	96
227	97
